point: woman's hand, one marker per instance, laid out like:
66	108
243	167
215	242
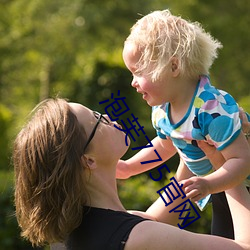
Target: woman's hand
245	124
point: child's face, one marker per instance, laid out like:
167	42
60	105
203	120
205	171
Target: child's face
152	92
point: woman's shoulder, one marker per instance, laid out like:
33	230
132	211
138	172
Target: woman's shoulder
110	227
156	235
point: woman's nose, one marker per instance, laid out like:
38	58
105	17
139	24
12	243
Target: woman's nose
107	117
110	121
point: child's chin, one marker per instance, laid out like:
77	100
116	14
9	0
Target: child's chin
152	103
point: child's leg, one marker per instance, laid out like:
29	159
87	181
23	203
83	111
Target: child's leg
159	211
222	224
183	172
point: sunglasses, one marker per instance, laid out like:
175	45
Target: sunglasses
100	118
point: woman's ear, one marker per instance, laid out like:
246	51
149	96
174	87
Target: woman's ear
175	66
90	161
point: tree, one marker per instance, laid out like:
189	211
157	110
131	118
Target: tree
72	48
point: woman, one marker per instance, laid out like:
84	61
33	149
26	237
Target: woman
65	188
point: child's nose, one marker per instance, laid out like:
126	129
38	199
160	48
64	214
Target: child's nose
134	83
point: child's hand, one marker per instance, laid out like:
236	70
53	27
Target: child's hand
196	188
122	170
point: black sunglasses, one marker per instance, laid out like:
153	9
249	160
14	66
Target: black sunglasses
100	118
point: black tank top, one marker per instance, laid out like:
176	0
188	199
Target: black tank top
102	229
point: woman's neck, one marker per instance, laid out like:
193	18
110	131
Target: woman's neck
102	189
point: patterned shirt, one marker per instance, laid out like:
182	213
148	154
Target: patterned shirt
213	115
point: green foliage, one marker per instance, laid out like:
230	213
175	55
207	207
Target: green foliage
203	224
138	193
73	48
9	231
5	124
228	22
245	103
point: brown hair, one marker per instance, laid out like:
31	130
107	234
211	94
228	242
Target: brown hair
49	184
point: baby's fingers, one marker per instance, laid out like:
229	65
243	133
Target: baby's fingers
193	195
185	183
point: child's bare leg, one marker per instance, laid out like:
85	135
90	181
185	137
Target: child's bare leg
159	211
183	172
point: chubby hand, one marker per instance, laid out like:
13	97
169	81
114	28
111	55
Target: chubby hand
195	188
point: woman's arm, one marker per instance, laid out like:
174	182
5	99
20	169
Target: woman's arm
159	236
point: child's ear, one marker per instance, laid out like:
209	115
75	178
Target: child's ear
175	66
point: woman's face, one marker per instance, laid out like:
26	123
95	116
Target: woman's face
107	141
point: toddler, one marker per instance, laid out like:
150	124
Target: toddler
170	59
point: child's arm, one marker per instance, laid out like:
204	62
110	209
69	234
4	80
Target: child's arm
133	166
215	157
233	172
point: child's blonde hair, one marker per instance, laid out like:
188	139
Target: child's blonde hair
161	36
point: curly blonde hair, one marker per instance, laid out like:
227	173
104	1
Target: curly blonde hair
49	181
160	36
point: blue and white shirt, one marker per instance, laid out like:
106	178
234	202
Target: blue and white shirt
213	115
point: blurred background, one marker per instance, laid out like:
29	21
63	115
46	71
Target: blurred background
72	48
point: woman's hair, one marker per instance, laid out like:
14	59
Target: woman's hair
49	182
160	36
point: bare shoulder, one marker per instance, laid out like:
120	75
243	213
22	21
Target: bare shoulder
150	235
154	235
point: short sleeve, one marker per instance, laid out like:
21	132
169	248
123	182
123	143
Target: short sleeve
219	120
162	136
159	121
